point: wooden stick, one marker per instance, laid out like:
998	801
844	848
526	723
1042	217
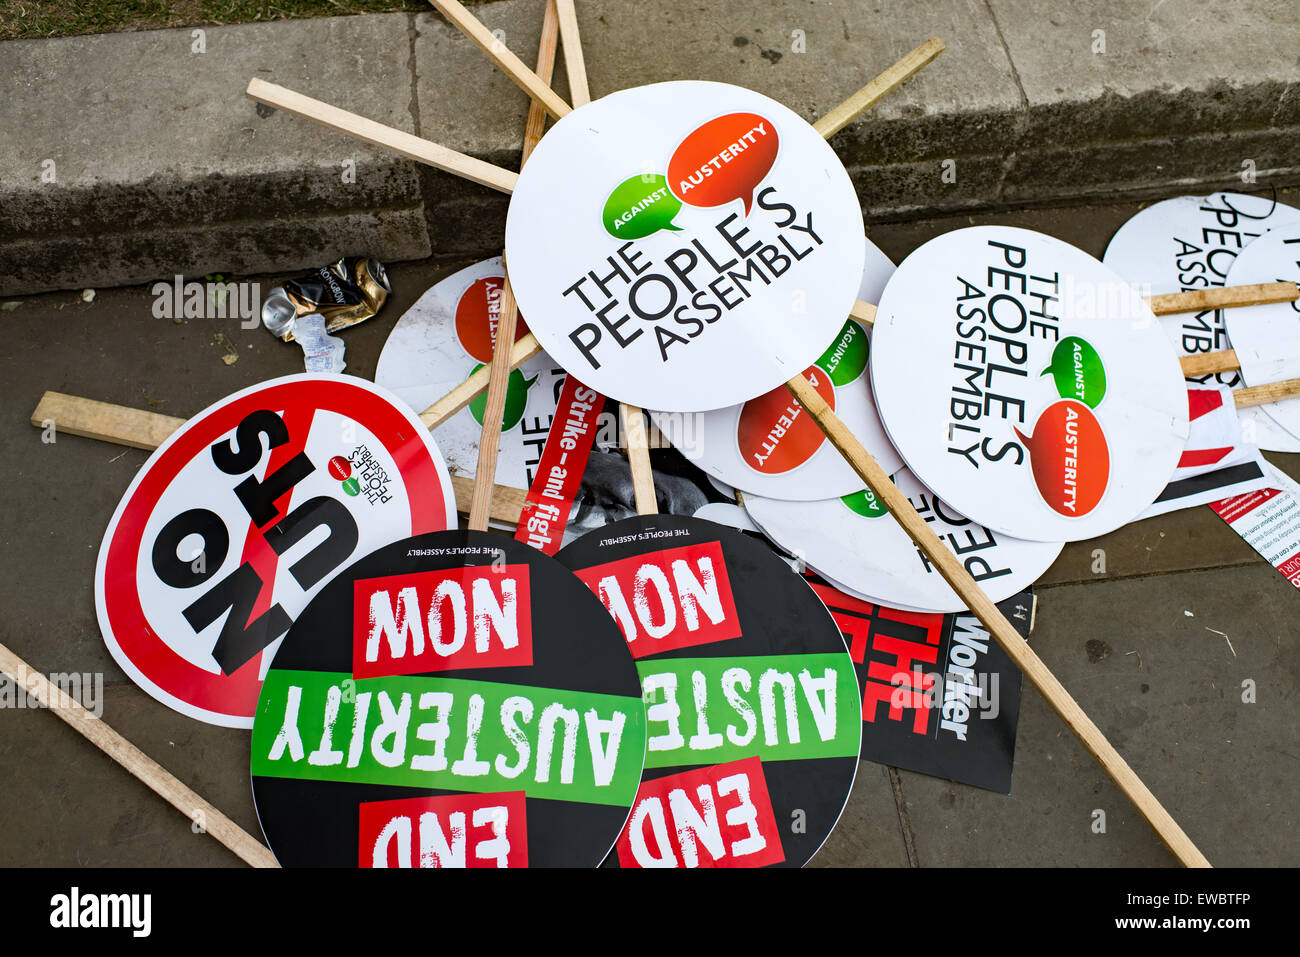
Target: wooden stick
955	574
376	134
574	63
507	502
467	391
1223	297
1205	363
1266	393
148	430
638	458
863	312
104	421
489	444
633	419
869	95
507	62
161	781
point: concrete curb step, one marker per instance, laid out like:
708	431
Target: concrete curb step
135	156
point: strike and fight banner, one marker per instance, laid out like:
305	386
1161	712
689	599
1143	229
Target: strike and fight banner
684	246
1056	410
938	694
450	700
752	708
241	517
1190	243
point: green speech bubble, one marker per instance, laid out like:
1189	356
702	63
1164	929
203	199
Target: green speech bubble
846	359
516	400
1078	371
865	503
639	206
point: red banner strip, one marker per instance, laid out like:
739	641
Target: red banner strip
559	473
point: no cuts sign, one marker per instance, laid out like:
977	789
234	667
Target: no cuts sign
241	516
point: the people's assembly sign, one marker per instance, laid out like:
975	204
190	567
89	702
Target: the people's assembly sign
684	246
241	516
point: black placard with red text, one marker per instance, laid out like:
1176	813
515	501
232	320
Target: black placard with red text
752	704
455	699
938	694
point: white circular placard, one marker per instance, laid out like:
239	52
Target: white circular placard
966	333
1267	338
767	446
855	542
439	341
684	246
1191	242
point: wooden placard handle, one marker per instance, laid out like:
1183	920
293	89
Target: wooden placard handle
631	417
1207	363
1266	393
1223	297
467	391
139	429
161	781
955	574
489	445
498	53
877	89
376	134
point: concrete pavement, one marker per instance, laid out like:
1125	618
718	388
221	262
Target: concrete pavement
1139	646
135	156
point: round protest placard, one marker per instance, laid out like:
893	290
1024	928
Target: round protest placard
753	718
854	542
1026	384
768	446
1267	338
446	335
1189	243
684	246
450	700
241	516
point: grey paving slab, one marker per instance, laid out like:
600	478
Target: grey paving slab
1175	67
115	350
868	833
160	164
65	804
1141	659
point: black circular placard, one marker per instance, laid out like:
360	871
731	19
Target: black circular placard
753	719
453	699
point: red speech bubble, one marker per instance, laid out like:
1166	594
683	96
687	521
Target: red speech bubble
1070	458
775	434
724	159
477	315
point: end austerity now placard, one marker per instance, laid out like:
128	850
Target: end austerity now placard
451	700
751	700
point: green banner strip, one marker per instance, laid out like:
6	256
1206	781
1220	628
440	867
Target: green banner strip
449	733
777	707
